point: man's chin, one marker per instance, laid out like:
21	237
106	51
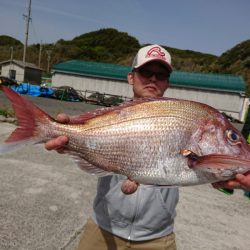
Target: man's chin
150	93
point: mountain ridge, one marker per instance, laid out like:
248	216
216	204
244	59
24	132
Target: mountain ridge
112	46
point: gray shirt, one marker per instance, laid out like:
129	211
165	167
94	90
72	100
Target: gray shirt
144	215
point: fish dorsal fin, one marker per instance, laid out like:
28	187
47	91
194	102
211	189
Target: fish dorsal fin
82	118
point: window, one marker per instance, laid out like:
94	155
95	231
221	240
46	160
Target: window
12	74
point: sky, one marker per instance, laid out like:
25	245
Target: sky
207	26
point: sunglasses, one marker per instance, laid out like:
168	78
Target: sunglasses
160	76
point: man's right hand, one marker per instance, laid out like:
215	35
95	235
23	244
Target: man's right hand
59	142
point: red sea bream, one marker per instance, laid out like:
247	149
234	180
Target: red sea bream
156	141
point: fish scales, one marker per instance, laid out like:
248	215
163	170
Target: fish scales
101	145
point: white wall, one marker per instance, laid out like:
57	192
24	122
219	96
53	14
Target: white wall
106	86
19	71
231	103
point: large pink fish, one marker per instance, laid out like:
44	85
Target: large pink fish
151	141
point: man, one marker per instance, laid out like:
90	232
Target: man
145	218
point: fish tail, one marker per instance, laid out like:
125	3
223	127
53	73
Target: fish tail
28	117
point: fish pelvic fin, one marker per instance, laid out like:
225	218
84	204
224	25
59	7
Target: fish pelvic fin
28	117
91	169
85	165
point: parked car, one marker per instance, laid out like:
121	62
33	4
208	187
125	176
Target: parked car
66	93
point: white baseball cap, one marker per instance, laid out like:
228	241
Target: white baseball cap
152	53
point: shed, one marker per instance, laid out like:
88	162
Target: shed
21	72
224	92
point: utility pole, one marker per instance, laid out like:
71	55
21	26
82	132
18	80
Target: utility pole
11	54
27	18
40	55
11	60
48	59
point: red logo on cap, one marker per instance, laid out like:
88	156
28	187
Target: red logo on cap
156	52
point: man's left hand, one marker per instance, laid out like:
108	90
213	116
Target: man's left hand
240	181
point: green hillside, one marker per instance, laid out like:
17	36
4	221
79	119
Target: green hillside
112	46
235	61
9	41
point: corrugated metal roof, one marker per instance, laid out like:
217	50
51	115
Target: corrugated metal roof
106	70
222	82
218	82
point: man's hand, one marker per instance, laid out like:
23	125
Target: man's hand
129	187
59	142
240	181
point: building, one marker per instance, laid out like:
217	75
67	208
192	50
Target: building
17	70
221	91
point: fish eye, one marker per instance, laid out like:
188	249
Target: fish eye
233	136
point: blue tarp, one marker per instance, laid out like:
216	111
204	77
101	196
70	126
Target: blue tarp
33	90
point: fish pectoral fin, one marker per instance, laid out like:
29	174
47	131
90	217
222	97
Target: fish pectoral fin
218	163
